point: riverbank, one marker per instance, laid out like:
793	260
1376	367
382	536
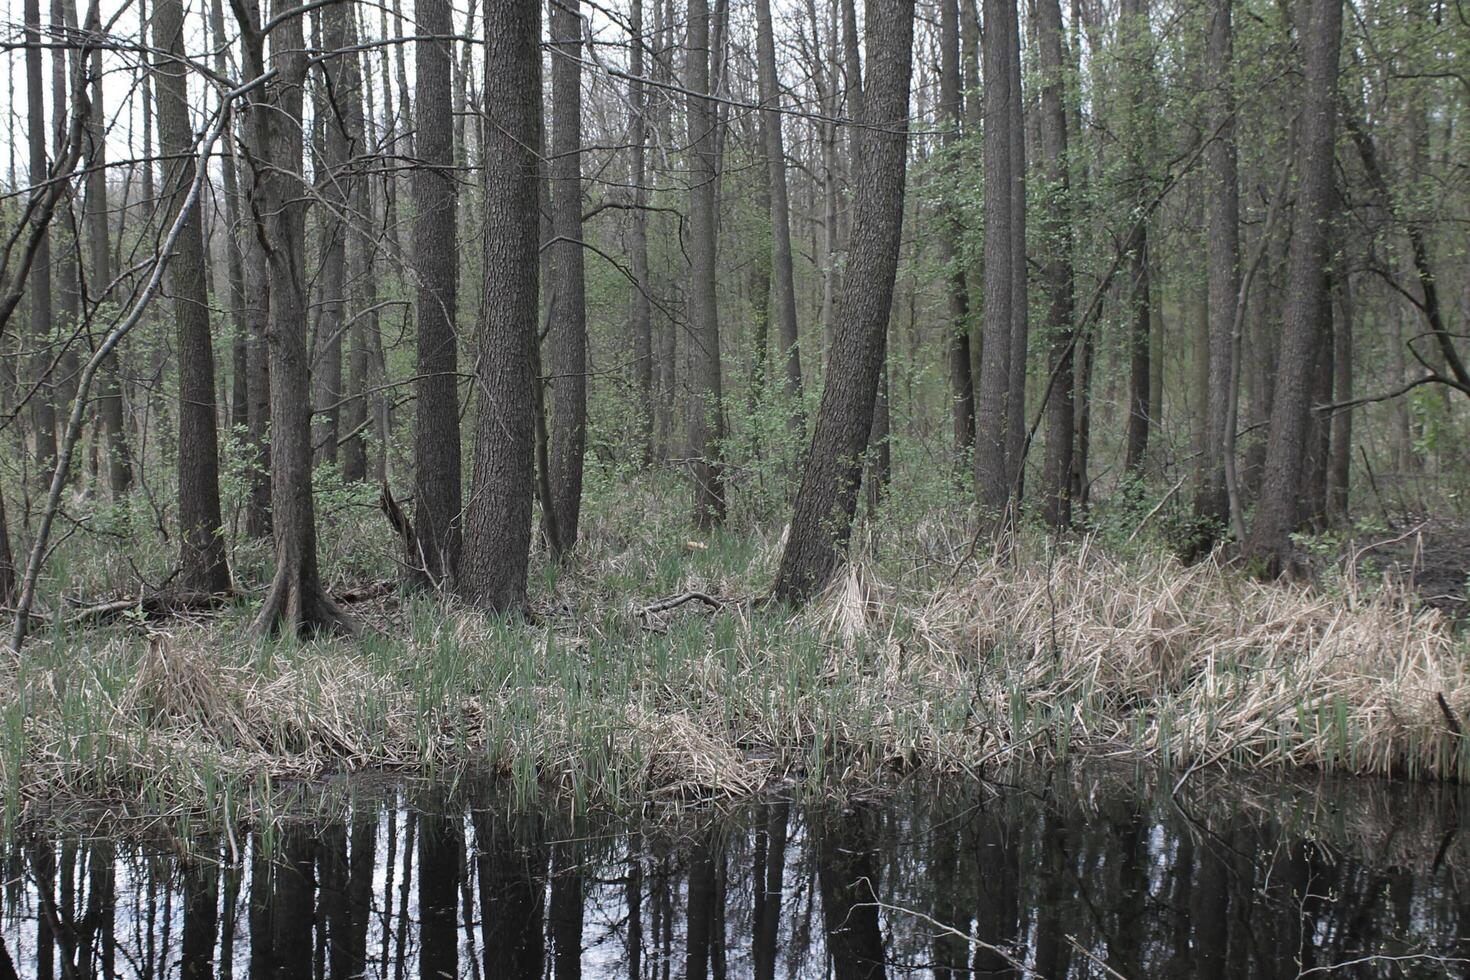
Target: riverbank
910	662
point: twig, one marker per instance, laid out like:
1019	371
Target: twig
1094	958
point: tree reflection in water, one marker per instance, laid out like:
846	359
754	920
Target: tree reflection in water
1060	878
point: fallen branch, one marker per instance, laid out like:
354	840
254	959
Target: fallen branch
158	605
674	602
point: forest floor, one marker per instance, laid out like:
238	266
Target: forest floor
651	671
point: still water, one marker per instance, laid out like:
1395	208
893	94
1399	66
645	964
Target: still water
1060	878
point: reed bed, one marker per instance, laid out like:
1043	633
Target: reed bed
1045	654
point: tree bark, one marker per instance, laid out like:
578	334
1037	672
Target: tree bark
951	112
201	531
1222	257
992	477
568	334
1340	462
296	603
705	417
822	516
498	520
783	279
1277	512
1058	270
436	453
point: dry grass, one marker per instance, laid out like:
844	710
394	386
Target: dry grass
1046	655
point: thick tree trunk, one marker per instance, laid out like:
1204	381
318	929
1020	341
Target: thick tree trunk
436	452
296	603
1222	258
1140	319
498	520
705	416
1057	270
1277	512
992	478
951	112
783	279
822	517
568	334
201	531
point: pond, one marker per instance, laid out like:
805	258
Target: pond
1111	875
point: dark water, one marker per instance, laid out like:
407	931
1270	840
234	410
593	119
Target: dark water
1073	879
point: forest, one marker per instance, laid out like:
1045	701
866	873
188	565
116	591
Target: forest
648	398
817	488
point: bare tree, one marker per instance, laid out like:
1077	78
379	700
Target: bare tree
783	280
951	113
1222	257
822	516
296	603
705	417
201	531
992	478
568	314
437	503
498	520
1057	271
1277	511
640	307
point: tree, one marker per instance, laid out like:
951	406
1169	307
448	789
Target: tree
1277	512
568	299
951	111
43	407
992	476
296	603
1222	257
1020	304
822	515
1133	31
783	279
705	417
201	531
436	452
1057	270
498	520
640	318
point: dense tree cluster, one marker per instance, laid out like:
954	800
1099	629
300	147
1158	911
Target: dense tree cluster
786	248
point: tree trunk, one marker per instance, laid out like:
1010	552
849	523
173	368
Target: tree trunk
783	280
201	531
951	113
43	407
360	328
568	334
1057	271
498	520
234	257
992	478
1340	462
296	602
436	444
1278	510
640	308
705	416
1222	258
1134	31
1020	306
822	516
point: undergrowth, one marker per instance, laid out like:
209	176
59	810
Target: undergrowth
927	654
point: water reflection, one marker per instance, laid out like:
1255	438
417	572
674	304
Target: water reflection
1357	879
